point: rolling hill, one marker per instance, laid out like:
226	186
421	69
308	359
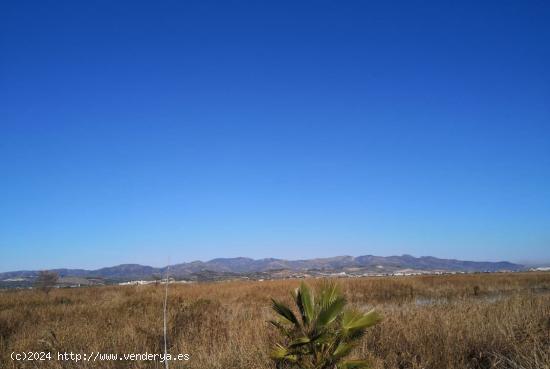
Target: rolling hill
241	266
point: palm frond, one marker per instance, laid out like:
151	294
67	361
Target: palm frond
342	350
330	312
279	352
281	327
305	302
356	320
300	341
329	293
354	364
284	312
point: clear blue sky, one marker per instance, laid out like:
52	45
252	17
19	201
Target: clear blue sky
154	131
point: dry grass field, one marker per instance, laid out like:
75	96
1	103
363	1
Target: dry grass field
434	322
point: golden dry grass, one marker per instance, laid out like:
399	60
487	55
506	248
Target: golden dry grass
433	322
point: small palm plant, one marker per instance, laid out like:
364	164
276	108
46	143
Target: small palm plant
324	333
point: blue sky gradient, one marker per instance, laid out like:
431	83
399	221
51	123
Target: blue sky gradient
146	132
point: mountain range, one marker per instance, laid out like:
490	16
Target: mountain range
231	267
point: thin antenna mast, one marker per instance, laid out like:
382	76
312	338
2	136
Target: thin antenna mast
165	305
